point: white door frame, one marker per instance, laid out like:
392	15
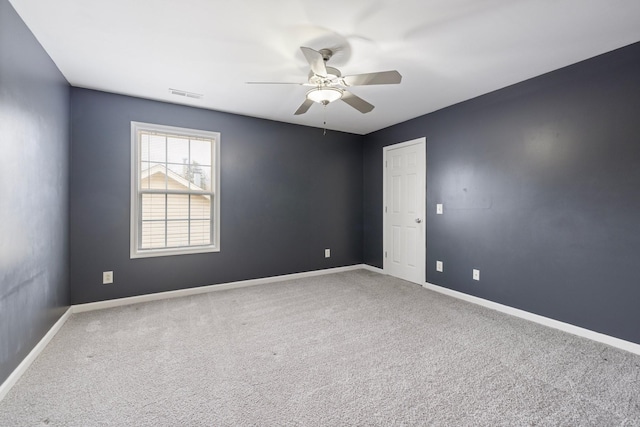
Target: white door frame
422	143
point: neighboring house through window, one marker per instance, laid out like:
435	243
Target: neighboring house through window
175	190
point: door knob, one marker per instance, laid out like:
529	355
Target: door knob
418	220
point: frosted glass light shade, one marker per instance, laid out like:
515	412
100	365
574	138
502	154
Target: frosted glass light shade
324	95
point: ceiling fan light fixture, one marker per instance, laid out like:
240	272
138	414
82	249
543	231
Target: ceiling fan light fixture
324	95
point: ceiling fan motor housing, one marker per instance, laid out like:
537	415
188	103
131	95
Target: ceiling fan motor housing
333	74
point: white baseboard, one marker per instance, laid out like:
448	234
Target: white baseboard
371	268
552	323
33	354
100	305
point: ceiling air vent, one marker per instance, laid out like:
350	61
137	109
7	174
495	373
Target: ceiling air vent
185	93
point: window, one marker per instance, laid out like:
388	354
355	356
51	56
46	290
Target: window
175	190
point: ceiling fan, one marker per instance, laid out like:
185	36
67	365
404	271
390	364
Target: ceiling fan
330	85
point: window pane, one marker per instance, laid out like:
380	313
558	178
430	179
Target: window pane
153	148
200	233
153	207
152	175
200	207
177	233
177	150
144	147
177	206
153	234
143	176
176	177
200	177
201	152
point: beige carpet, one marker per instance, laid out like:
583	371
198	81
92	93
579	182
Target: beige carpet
355	348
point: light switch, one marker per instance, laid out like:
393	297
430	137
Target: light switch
439	209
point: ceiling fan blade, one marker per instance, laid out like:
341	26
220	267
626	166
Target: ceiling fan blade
275	83
356	102
315	60
380	78
304	107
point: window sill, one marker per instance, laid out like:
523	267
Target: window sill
152	253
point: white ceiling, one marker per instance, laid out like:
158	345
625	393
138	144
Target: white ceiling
446	50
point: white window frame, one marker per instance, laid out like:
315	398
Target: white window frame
136	191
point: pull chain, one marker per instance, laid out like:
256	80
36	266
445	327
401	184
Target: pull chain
324	111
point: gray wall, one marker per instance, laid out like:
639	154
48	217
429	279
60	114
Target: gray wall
34	142
540	183
287	193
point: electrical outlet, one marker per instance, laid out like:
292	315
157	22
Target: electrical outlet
107	277
439	266
439	209
476	274
327	253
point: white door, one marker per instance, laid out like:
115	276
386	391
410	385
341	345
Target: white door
404	195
